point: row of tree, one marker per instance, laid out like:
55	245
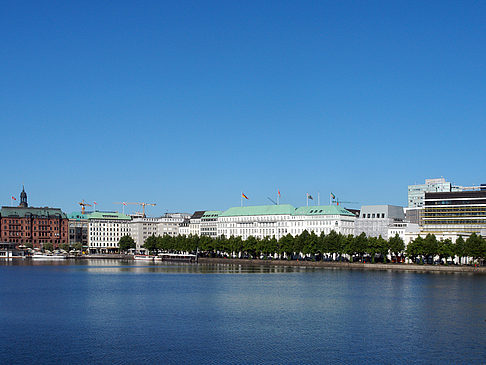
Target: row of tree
333	245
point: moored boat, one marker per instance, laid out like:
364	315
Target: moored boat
143	257
46	256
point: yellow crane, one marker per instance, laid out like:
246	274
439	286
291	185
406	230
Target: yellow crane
83	206
142	204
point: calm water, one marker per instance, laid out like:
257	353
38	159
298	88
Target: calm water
118	312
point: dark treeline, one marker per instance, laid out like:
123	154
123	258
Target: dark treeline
333	246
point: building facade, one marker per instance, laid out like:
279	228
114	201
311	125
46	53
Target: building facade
143	227
455	212
195	223
280	220
78	228
30	225
105	230
416	193
374	220
209	223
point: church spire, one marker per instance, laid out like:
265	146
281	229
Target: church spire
23	198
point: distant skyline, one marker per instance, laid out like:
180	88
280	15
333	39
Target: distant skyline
188	104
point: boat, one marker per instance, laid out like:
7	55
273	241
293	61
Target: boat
46	256
177	257
143	257
8	251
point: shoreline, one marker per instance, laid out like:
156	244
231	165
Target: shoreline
348	265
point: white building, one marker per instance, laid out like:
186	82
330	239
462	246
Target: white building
374	220
280	220
405	230
195	223
143	228
184	227
208	224
105	230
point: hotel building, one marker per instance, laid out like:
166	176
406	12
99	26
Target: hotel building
280	220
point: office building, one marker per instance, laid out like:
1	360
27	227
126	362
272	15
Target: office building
455	212
416	193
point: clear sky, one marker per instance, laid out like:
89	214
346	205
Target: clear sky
188	103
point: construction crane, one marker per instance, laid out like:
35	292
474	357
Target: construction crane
83	206
142	204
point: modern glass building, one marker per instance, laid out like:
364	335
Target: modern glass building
416	193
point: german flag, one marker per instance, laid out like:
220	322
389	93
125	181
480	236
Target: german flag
244	196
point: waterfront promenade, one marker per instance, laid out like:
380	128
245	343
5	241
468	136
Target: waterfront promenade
347	265
316	264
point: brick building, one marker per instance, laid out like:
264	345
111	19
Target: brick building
24	224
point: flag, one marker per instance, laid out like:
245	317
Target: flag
124	203
244	196
14	198
310	196
95	203
333	196
278	192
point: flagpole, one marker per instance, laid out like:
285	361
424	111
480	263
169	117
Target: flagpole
318	199
241	198
307	198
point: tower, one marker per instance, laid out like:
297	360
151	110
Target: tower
23	198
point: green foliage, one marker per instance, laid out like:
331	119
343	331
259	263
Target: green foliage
125	243
396	245
475	247
310	244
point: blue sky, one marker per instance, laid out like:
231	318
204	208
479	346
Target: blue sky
186	104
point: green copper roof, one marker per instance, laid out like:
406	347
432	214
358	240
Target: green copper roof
79	215
258	210
109	215
211	214
322	210
31	211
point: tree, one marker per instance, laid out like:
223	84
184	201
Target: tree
396	245
151	243
362	245
460	248
431	246
78	246
286	244
383	247
125	243
415	248
473	247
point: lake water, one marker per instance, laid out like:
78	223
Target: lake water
121	312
